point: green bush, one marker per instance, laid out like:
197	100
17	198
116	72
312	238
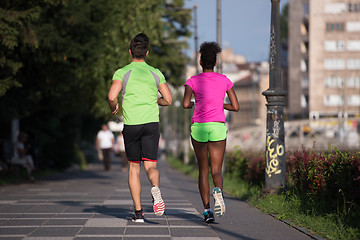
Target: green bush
247	166
332	176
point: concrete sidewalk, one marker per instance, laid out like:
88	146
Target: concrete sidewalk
94	204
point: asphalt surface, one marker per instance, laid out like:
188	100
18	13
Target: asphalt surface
94	204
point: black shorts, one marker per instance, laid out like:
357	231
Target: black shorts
142	142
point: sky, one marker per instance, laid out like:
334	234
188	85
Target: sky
245	25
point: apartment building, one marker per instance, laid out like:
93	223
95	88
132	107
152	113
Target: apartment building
324	58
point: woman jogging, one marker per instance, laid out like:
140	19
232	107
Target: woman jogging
208	130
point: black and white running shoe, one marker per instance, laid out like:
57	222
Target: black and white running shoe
138	217
209	217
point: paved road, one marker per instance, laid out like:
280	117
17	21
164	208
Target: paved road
93	204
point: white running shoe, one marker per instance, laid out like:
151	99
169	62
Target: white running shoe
158	203
219	207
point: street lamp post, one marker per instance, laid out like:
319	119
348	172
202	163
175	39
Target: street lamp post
275	166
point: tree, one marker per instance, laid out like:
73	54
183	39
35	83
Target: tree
61	56
16	30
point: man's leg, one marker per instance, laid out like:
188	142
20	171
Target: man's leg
134	184
152	172
106	160
153	175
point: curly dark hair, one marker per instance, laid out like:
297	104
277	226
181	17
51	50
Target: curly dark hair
139	46
209	51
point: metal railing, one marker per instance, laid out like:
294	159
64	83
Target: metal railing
319	135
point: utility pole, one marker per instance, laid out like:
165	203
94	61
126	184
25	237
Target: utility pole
196	40
218	32
275	166
186	112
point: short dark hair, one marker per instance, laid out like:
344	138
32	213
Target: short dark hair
139	46
209	51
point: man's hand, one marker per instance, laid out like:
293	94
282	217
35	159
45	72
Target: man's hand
115	111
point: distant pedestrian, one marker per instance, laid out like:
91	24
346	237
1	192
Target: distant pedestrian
208	130
105	142
120	151
140	84
21	156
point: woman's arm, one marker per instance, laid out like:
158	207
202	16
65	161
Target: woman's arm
166	99
187	103
234	104
112	96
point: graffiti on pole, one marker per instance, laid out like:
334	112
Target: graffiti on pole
273	152
274	149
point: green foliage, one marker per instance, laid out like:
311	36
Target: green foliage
326	175
323	190
246	166
309	213
57	58
16	30
325	217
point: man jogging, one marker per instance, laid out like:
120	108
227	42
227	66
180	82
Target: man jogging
140	84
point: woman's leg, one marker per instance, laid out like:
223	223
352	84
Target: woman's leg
201	151
217	151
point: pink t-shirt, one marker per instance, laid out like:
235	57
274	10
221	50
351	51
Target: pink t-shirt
209	90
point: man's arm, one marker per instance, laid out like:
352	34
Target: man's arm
112	96
166	99
97	143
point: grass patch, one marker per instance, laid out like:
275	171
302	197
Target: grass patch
300	210
190	169
309	214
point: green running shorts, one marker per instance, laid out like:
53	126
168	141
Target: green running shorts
208	132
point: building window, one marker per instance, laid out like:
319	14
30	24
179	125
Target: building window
353	100
305	83
353	26
354	7
334	82
304	65
306	9
335	8
304	101
334	64
353	64
333	100
353	45
334	46
335	27
353	82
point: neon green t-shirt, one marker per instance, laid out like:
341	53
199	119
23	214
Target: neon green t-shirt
140	83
